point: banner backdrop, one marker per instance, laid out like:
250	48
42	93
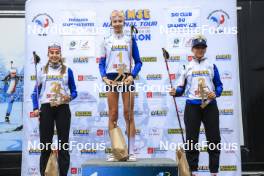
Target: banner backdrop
80	27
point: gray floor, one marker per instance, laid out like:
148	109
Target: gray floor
141	162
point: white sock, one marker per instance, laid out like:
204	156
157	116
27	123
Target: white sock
132	145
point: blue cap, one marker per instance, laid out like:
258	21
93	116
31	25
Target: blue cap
199	41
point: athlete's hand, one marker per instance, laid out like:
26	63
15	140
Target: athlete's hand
108	81
66	98
129	80
211	95
173	92
36	113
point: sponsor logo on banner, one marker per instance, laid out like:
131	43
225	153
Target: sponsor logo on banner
86	96
176	43
150	150
88	151
172	76
189	58
149	59
203	168
138	113
140	18
84	45
34	151
136	94
154	132
226	130
108	150
156	94
203	149
188	42
102	95
226	111
73	45
228	168
227	93
218	19
181	42
34	132
97	60
76	170
226	75
42	22
174	59
101	132
154	76
183	18
103	113
79	45
154	150
230	151
80	60
81	132
175	131
83	113
86	78
138	131
223	57
157	113
78	22
33	171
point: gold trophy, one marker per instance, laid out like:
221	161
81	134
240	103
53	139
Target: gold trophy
203	92
119	80
57	97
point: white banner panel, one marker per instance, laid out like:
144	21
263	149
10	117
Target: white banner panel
80	26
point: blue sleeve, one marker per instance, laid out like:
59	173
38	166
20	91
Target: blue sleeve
136	57
71	84
35	95
102	66
180	90
217	82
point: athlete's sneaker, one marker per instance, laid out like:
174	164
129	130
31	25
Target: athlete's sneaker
7	119
110	158
132	158
213	174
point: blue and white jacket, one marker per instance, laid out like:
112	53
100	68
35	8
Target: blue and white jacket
115	54
50	81
195	71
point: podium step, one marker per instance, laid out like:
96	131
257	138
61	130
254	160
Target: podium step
143	167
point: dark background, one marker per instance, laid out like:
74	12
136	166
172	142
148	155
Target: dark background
251	63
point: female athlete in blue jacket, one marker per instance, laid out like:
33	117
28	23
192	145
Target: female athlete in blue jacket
115	71
200	81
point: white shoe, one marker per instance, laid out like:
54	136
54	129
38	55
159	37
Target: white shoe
110	158
194	173
132	158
